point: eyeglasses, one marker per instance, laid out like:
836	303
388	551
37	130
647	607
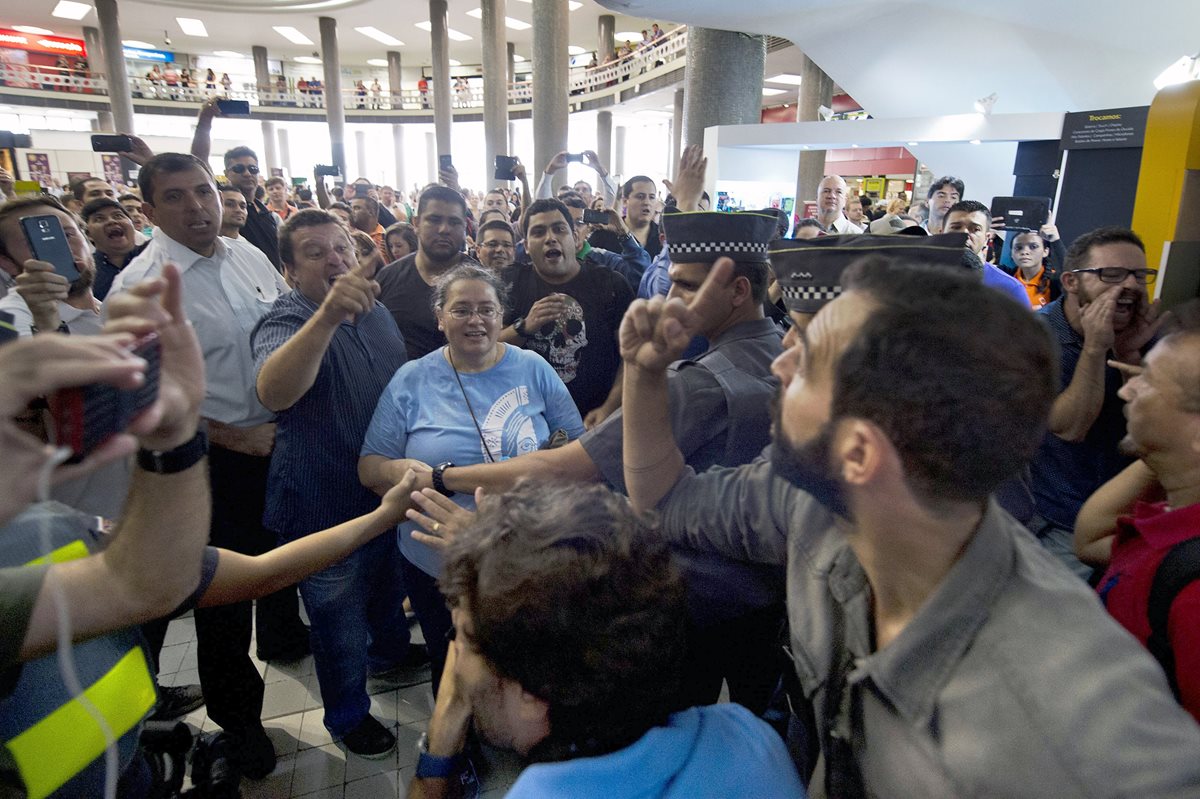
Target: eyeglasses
1117	274
484	312
238	169
496	245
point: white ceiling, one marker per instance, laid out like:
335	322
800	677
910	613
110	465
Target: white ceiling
933	57
239	30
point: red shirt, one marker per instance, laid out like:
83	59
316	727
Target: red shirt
1142	541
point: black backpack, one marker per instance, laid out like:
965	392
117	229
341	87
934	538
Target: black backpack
1179	569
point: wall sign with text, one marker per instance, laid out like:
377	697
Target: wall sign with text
1105	130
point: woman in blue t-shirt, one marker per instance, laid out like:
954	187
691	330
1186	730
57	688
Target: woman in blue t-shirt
472	401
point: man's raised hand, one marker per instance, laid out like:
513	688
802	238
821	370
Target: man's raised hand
655	332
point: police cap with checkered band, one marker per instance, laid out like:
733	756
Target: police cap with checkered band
809	271
705	236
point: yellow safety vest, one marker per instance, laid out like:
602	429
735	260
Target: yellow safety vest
51	735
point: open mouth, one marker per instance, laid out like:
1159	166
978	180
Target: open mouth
116	233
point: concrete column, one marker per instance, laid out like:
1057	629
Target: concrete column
270	151
119	96
262	72
335	115
442	116
618	167
495	88
285	153
360	148
816	90
431	156
604	134
512	62
677	132
607	30
95	50
104	121
398	149
394	78
550	89
723	81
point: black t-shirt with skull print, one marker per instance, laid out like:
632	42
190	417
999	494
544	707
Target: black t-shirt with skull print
582	347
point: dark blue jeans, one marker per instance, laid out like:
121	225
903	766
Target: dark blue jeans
432	614
356	607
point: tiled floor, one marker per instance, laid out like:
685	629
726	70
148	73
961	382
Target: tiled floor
310	764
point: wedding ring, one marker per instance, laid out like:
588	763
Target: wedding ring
437	526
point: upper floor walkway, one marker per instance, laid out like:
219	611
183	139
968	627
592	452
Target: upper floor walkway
647	68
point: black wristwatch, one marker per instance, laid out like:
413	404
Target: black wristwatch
439	484
519	327
173	461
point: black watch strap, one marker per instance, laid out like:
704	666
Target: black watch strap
519	327
439	484
173	461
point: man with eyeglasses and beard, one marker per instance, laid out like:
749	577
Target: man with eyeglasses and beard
260	228
919	611
1102	316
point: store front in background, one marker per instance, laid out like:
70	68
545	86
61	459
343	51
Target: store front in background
31	61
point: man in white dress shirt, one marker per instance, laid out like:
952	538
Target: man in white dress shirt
831	198
228	284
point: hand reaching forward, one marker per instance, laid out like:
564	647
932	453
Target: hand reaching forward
442	517
655	332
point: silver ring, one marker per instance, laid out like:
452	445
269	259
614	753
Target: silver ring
437	526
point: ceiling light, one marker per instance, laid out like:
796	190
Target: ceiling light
227	54
477	13
516	24
292	35
518	58
628	36
457	36
377	62
976	141
454	63
769	92
69	10
380	36
573	6
33	29
913	143
855	146
984	105
192	27
137	43
1183	70
307	59
576	50
785	77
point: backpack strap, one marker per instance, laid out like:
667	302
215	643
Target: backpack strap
1179	569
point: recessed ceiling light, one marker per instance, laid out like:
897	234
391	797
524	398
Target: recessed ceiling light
377	62
515	24
227	54
785	77
976	141
476	12
571	5
307	59
518	58
855	146
457	36
576	50
455	63
33	29
769	92
380	36
292	35
628	36
192	27
138	44
913	143
70	10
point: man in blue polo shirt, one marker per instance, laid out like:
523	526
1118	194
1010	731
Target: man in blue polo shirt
324	353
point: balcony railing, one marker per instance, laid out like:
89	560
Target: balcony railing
584	81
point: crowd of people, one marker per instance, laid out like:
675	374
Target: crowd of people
928	525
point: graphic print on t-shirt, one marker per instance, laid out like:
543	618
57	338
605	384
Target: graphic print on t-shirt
560	342
507	428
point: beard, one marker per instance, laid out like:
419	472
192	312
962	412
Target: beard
807	466
81	284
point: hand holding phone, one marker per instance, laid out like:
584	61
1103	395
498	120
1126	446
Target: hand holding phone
444	162
576	157
592	217
504	167
234	108
48	242
111	143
